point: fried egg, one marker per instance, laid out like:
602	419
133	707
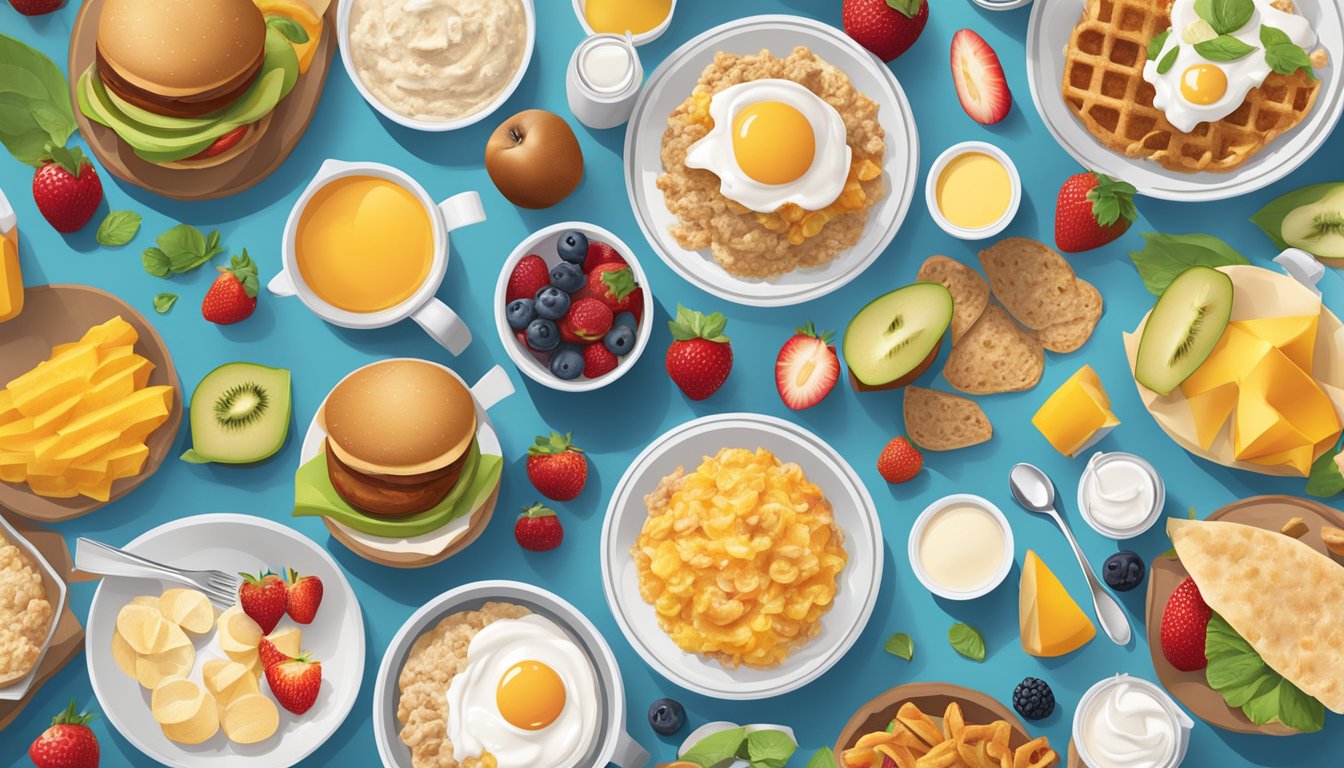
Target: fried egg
1192	88
527	696
774	142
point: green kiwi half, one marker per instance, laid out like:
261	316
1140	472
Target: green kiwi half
239	414
1183	328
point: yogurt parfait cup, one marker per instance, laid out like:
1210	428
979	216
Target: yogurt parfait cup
954	545
1124	719
1120	494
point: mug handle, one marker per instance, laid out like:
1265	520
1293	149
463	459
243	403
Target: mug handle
282	284
1302	267
444	325
492	387
628	753
462	209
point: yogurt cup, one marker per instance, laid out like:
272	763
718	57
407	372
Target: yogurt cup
921	528
603	80
1114	710
1120	494
954	153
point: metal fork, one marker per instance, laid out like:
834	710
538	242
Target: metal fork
99	558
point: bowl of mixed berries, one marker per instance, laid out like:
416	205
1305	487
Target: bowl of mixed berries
573	307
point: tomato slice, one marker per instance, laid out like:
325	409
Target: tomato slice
223	143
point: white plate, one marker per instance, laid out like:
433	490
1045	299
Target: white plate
1052	23
231	543
438	540
855	513
672	82
54	587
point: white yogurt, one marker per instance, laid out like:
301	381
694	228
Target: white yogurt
1120	495
606	67
1126	722
961	547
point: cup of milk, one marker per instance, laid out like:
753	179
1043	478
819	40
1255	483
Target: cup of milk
603	80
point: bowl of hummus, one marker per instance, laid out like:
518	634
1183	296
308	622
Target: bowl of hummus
436	65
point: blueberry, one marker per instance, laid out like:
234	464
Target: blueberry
625	320
1033	699
572	247
543	335
666	717
568	277
520	312
551	303
1123	571
567	363
619	341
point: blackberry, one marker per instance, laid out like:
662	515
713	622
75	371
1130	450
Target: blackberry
1123	571
1033	699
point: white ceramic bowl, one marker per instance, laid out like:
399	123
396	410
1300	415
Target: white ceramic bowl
1089	476
855	513
1181	722
542	243
613	743
343	37
640	39
917	533
936	172
54	587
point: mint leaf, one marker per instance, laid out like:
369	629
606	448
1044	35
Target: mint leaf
824	758
714	749
1325	479
1156	43
967	641
1225	16
1224	48
118	228
900	645
1165	256
769	749
164	302
1164	66
35	105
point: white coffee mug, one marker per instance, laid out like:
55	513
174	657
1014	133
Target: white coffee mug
438	320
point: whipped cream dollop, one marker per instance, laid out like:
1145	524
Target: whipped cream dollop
1119	494
1127	726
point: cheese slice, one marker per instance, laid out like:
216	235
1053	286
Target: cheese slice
1293	336
1052	624
1077	415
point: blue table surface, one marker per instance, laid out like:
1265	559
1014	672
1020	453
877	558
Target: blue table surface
617	423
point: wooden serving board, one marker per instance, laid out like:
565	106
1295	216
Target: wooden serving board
479	520
288	123
932	698
68	642
56	314
1191	688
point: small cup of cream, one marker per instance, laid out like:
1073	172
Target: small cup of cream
1124	721
961	547
1120	495
973	190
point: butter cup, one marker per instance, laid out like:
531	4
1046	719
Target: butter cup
936	172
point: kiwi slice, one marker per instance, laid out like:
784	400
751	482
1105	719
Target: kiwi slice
1317	228
239	414
897	335
1183	328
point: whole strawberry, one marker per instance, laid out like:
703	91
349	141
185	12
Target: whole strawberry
264	598
68	743
1185	624
700	356
67	189
529	275
806	368
598	361
587	320
886	27
233	295
538	529
1092	210
303	594
615	286
295	683
36	7
557	467
601	253
900	461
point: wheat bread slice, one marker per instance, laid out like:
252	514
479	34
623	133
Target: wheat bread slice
939	421
1071	335
1033	282
970	292
995	356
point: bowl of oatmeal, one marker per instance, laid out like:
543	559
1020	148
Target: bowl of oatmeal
433	662
34	598
776	244
434	65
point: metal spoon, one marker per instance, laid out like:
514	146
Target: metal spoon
1033	490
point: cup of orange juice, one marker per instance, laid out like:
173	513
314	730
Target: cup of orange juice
645	20
11	278
365	247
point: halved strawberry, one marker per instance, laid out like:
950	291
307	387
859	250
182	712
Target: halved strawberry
978	75
806	369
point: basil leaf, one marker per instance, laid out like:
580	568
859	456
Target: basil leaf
716	748
118	228
824	758
769	749
1224	48
967	641
1165	256
288	27
181	249
155	262
1156	43
35	105
1225	16
1164	66
1299	711
1325	479
164	302
900	645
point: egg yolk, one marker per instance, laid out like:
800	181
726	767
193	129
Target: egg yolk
773	142
530	695
1203	84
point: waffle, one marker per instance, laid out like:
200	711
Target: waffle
1104	86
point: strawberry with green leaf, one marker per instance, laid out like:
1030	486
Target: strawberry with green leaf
233	295
66	188
614	285
1092	210
700	356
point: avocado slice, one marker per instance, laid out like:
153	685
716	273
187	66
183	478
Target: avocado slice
1318	228
1183	328
897	335
239	414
